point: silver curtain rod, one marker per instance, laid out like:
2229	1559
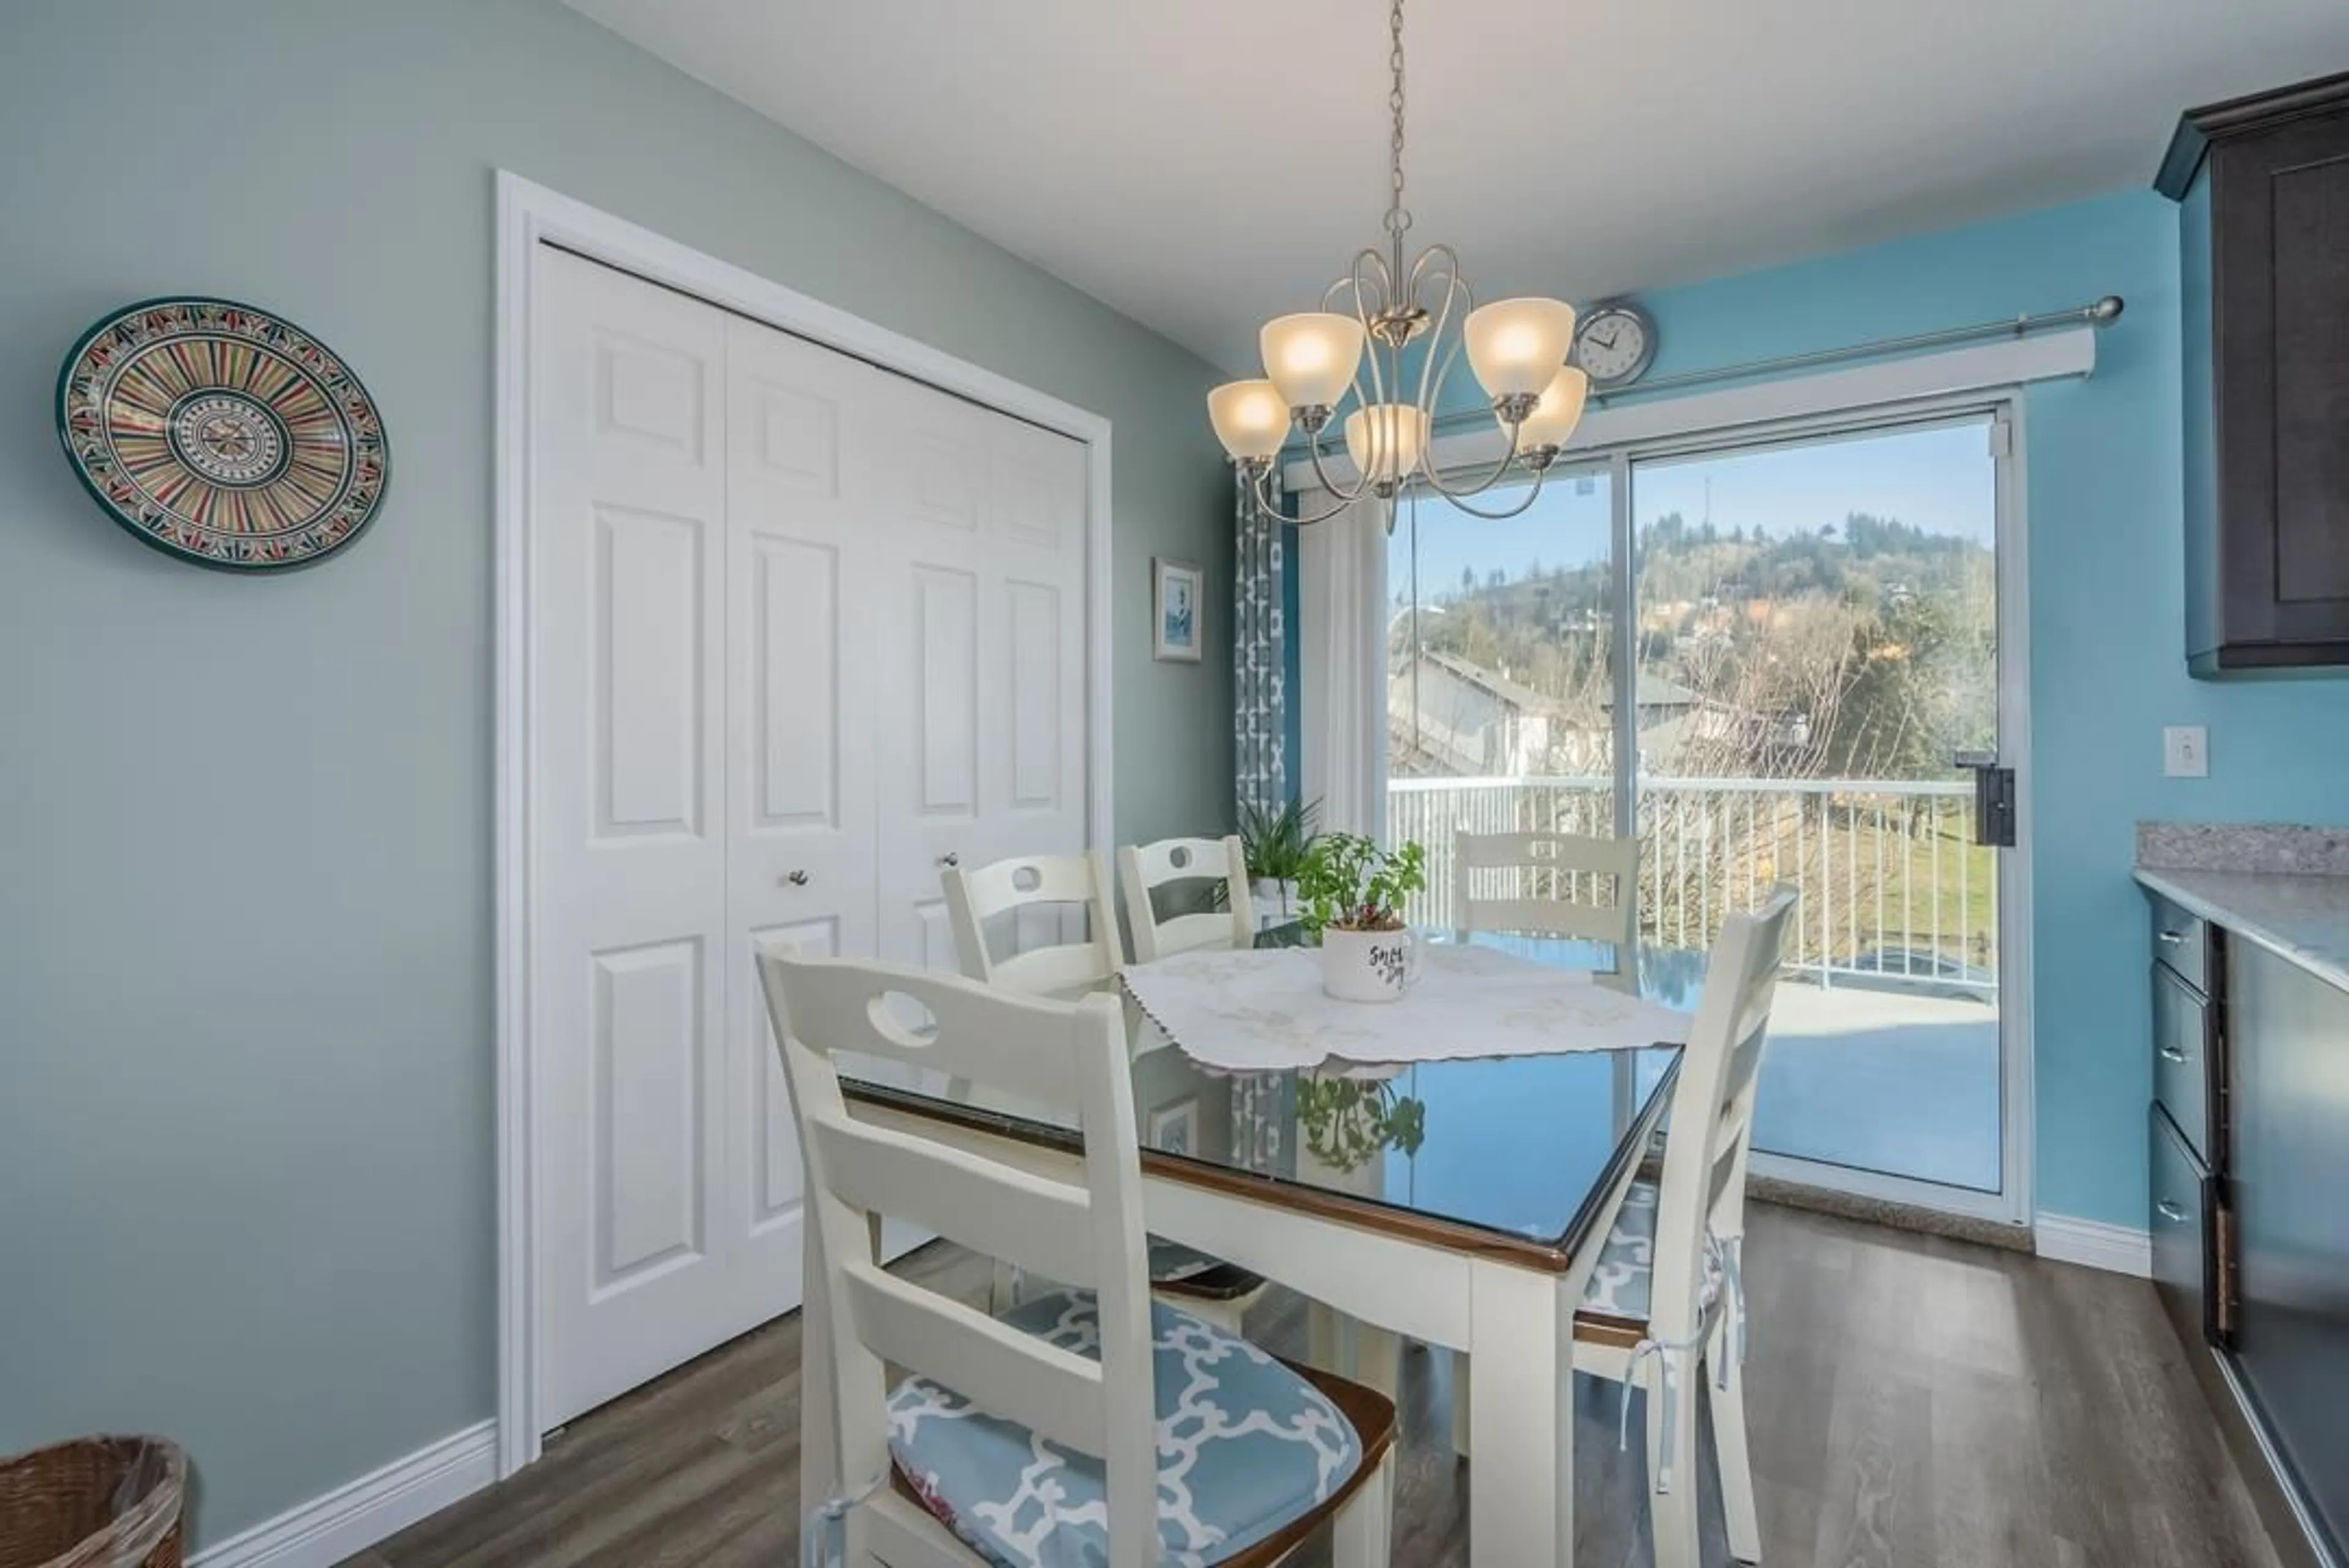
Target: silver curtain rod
2102	314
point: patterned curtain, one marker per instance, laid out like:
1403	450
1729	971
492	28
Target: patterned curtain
1259	656
1260	758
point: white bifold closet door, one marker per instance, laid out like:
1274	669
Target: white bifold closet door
801	628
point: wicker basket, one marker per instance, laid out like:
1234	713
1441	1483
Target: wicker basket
94	1502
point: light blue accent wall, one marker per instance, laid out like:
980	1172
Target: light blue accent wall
245	1066
2106	523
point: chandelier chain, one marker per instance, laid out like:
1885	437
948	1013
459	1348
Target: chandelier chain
1398	215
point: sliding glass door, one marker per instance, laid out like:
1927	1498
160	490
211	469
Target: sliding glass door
1767	661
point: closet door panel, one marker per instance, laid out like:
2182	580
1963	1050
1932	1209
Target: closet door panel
801	465
935	623
628	838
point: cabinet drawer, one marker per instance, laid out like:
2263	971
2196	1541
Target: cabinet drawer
2177	1216
2182	941
2183	1054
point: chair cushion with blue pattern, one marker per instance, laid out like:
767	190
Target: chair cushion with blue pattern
1246	1448
1620	1285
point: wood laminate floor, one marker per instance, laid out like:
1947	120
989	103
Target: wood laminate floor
1914	1401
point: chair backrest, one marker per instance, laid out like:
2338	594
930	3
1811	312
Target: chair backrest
1145	868
1711	1130
1023	883
1530	883
1068	1055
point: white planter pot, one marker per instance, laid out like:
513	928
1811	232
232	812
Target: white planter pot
1275	901
1368	965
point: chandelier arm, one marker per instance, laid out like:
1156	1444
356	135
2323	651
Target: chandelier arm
1434	371
1500	472
1533	491
1259	491
1345	497
1335	510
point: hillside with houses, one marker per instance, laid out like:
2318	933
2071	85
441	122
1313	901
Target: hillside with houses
1864	650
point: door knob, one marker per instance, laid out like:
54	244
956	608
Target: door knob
797	879
950	858
2174	1212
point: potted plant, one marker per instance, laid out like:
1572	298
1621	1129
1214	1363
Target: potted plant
1276	845
1353	893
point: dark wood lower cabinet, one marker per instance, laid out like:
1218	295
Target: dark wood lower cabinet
2289	1189
2247	1211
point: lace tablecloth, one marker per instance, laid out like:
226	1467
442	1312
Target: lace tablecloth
1263	1010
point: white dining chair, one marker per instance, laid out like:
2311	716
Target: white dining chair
1027	887
1206	1286
1665	1307
1085	1425
1527	884
1542	885
1144	868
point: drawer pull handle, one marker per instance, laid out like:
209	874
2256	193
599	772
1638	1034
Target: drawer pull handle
797	879
2172	1054
2171	1212
2172	937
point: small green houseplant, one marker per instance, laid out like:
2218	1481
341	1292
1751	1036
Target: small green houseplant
1354	892
1276	844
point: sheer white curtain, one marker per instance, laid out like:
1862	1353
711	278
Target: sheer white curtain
1342	663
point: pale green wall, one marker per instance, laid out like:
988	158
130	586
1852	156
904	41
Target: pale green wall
246	1075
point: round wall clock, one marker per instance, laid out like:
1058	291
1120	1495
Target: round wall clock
1614	344
222	434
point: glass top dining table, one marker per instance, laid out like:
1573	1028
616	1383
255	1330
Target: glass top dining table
1511	1157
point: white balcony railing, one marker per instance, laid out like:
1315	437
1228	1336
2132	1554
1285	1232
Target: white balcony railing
1894	890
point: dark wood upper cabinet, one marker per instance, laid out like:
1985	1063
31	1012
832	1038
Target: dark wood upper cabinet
2262	185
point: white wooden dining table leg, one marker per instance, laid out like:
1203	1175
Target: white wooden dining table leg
1460	1403
1378	1359
1521	1418
1325	1339
819	1460
1360	1536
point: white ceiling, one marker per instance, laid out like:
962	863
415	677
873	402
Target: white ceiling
1202	164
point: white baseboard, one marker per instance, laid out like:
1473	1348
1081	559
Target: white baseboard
355	1516
2117	1249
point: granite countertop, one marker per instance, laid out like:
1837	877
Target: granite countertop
2299	915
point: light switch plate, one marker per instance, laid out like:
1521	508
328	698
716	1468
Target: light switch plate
2185	751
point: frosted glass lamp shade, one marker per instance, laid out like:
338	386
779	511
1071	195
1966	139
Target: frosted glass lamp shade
1558	411
1311	357
1385	441
1515	345
1250	418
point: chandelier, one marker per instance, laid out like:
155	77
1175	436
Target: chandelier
1315	360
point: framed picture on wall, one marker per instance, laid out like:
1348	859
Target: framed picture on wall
1175	604
1174	1128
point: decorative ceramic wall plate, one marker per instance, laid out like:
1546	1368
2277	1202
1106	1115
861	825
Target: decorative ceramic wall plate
222	434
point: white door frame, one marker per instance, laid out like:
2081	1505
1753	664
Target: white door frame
530	215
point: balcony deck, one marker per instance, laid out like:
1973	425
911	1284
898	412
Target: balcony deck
1883	1082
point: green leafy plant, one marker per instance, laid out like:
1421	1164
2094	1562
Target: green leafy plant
1346	1121
1349	882
1279	843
